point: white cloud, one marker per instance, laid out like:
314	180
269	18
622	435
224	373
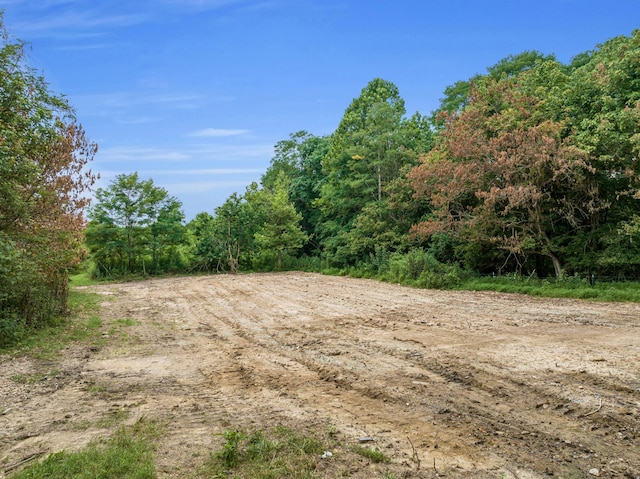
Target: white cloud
203	4
79	22
215	153
217	132
203	186
137	154
207	171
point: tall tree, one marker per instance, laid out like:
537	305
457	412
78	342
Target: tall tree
603	111
43	180
300	159
369	150
280	230
131	223
504	176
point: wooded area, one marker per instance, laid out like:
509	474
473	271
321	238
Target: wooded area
530	169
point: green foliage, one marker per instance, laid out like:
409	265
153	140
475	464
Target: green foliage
225	242
229	453
47	342
374	455
135	227
43	154
530	168
369	154
280	230
300	159
572	287
420	268
540	162
279	453
128	453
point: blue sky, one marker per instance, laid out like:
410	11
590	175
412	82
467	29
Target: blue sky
195	93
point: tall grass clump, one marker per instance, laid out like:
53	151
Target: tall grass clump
277	453
128	453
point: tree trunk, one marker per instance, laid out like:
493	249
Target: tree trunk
279	259
557	266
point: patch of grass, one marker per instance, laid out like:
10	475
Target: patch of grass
126	322
128	453
112	418
96	388
279	453
83	325
82	279
374	455
34	378
569	288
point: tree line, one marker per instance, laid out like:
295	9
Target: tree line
531	168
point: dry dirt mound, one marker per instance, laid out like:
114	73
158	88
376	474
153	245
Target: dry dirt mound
461	384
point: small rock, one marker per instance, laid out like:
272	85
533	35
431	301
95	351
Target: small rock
326	454
594	472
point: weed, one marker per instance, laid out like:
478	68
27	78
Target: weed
280	452
96	388
229	453
126	322
34	378
374	455
128	453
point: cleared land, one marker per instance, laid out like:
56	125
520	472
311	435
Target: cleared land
455	384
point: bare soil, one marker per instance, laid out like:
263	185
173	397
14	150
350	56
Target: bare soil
449	384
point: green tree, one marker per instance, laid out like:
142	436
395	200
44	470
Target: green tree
369	151
280	229
234	230
199	234
43	179
300	159
133	224
167	235
603	110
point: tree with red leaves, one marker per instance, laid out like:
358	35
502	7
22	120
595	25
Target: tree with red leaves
504	175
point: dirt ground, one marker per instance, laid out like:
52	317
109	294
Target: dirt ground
449	384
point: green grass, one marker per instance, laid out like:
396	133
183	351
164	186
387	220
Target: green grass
374	455
35	377
451	279
279	453
47	342
570	288
129	453
82	279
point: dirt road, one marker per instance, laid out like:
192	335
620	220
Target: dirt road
450	384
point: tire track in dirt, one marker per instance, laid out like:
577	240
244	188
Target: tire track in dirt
480	384
494	425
